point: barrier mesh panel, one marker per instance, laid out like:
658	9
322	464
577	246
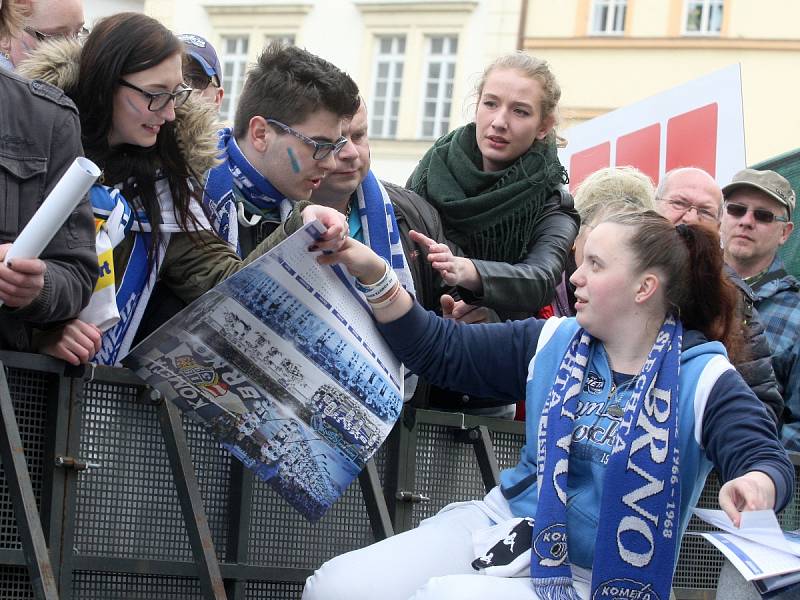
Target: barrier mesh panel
699	563
29	396
15	583
212	465
507	447
280	537
790	516
273	590
446	471
92	585
128	507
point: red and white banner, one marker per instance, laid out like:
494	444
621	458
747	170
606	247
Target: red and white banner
697	124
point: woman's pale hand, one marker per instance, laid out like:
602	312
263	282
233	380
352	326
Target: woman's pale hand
334	222
752	491
358	259
77	342
454	270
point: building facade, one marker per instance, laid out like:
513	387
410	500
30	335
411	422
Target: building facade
610	53
416	62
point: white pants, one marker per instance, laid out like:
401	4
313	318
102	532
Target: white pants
431	562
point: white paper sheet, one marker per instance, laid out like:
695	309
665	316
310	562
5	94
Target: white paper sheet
760	526
753	560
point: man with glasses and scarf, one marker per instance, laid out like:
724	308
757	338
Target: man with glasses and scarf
690	195
46	19
285	138
756	222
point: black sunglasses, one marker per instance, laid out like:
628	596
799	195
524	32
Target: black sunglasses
762	215
159	100
200	82
321	149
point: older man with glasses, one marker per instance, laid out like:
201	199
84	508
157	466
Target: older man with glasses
756	222
690	195
47	19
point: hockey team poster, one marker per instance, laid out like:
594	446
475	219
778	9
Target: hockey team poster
283	365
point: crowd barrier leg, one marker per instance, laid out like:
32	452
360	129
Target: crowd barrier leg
19	482
191	502
241	501
375	502
484	453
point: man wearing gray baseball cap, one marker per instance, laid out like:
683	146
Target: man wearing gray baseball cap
756	222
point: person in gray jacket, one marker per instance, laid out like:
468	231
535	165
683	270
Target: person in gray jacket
37	145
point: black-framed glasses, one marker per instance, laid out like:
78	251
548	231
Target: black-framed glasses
321	149
762	215
682	206
43	37
159	100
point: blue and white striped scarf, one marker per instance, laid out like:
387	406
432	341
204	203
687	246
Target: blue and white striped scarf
379	224
236	188
135	284
637	532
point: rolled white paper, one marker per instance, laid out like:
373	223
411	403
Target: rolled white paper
55	209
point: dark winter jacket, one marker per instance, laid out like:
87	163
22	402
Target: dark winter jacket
39	139
505	285
756	367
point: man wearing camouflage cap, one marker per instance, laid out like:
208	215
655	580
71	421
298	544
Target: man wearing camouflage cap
756	222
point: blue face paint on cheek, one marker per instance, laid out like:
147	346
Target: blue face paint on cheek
293	158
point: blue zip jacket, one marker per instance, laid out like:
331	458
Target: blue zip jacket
721	422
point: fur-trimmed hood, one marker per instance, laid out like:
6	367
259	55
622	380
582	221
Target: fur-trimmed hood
196	122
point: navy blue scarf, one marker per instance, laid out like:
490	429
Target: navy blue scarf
639	511
236	188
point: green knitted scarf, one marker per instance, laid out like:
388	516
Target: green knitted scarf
490	215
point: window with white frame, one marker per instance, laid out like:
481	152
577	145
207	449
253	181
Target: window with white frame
608	17
234	71
390	53
703	17
439	72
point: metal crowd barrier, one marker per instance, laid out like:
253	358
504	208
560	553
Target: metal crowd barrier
136	502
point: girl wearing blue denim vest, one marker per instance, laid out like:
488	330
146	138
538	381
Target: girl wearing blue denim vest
629	405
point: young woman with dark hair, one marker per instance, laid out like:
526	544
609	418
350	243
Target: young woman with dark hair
629	405
153	144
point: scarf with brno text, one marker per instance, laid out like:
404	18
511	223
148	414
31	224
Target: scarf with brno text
638	522
489	214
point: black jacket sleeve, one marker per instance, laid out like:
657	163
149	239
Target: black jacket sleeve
756	366
529	285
